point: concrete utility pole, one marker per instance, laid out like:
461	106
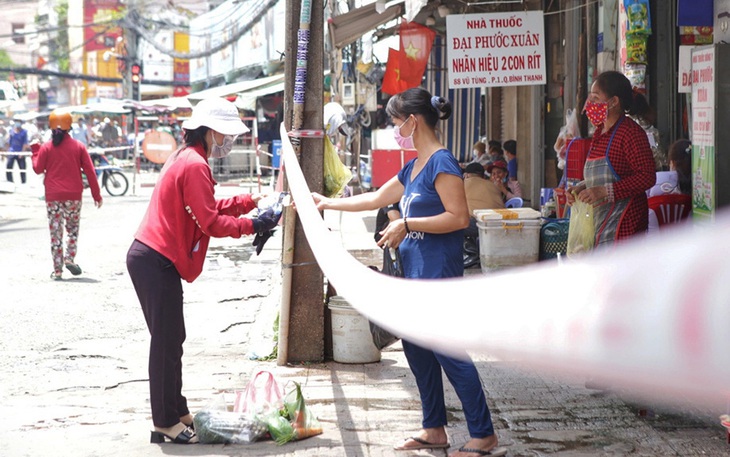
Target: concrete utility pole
305	341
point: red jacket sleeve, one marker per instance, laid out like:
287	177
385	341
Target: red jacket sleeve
235	206
199	201
88	166
38	158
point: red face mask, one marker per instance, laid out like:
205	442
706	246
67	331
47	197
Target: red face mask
597	112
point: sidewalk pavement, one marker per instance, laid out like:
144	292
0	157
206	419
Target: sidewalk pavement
93	400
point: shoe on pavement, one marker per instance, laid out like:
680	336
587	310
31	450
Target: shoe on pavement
73	268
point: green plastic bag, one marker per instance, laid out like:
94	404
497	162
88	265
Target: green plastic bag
581	231
336	174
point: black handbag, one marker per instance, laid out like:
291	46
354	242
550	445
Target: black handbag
392	266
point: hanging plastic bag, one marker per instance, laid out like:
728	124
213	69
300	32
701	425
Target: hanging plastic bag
336	174
581	232
214	424
392	267
567	132
261	396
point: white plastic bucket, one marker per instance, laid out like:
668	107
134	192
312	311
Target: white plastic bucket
508	243
351	338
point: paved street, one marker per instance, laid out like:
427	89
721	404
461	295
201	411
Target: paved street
73	371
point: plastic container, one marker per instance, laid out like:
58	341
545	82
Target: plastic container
508	243
351	338
276	154
554	238
484	215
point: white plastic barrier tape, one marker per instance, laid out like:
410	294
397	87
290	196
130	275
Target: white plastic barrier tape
90	149
652	315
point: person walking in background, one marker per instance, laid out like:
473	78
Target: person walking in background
80	132
620	165
430	238
3	136
17	142
170	245
62	159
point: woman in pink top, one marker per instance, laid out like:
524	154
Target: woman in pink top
62	160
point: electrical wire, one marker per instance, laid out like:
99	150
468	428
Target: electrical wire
573	8
258	12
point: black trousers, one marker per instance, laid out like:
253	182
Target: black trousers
159	289
21	164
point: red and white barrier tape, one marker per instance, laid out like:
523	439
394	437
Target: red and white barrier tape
651	314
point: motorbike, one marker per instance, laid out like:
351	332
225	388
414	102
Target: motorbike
109	175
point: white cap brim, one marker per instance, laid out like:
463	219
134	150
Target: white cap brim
224	126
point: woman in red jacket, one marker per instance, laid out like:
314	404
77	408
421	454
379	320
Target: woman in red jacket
61	159
170	245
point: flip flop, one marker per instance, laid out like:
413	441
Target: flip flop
422	444
73	268
494	452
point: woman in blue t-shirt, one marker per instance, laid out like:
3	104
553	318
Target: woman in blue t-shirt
429	235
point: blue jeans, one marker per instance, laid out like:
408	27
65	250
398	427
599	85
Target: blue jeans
426	366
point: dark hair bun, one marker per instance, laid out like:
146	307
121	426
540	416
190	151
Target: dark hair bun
441	105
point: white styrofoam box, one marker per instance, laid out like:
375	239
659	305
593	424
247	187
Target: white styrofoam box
484	215
508	243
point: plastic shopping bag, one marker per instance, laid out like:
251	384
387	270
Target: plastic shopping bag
581	232
294	421
303	421
214	424
336	174
261	396
392	267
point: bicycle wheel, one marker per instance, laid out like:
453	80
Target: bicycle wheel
116	184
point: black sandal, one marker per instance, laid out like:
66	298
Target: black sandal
183	438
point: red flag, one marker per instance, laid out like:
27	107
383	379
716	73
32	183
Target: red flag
415	47
392	82
41	62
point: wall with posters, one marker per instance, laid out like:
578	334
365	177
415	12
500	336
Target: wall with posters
99	39
709	133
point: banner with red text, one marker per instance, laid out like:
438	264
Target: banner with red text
497	49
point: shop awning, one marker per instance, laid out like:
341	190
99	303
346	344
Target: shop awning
349	27
172	103
247	100
236	88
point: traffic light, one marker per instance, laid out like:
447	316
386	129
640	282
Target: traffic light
136	80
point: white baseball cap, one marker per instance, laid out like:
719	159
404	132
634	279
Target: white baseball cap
217	114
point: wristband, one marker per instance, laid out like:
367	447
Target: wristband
405	222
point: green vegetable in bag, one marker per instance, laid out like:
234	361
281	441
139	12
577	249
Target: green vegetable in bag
336	174
280	428
302	420
581	232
